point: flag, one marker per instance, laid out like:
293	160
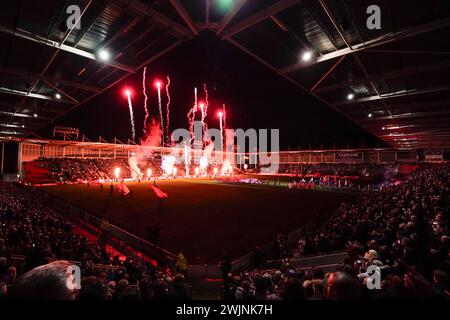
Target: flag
123	189
158	193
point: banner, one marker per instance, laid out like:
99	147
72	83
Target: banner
123	189
158	193
349	157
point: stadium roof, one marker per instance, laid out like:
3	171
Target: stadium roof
397	76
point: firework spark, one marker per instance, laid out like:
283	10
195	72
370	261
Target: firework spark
224	112
167	107
205	112
158	86
221	128
130	106
191	115
144	91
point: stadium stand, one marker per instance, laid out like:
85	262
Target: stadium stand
403	229
29	228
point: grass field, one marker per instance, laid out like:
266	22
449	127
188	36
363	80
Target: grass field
205	217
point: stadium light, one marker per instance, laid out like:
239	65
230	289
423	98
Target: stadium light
350	96
307	56
104	55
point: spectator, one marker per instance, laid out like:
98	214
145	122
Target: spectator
48	282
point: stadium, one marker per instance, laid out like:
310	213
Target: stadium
231	150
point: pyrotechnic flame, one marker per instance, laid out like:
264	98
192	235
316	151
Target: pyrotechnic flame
117	172
226	167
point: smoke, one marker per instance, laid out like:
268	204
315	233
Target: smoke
167	164
208	149
205	159
134	168
153	137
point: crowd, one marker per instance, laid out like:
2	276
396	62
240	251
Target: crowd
402	230
74	169
374	172
33	232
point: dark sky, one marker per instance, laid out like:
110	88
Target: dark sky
255	97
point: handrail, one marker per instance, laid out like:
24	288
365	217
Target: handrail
18	257
311	256
130	239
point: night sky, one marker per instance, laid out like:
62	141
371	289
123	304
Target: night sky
255	97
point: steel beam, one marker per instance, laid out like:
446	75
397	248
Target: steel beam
268	65
392	95
184	15
258	17
51	85
230	15
123	77
327	73
393	74
384	39
43	41
408	115
397	51
427	106
96	10
22	115
20	74
31	95
155	16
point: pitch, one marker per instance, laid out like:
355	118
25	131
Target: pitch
204	217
